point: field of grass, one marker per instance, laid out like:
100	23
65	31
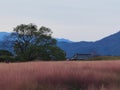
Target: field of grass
65	75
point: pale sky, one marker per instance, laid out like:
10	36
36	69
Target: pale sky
76	20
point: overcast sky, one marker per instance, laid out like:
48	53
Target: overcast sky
77	20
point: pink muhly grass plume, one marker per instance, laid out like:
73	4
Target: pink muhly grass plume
88	75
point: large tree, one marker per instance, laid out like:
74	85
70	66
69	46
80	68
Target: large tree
32	43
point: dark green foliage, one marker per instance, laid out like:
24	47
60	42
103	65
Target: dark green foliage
50	53
55	53
32	43
5	52
6	56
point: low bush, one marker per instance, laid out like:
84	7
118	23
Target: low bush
5	58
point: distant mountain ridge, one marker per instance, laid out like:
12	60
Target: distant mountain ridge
3	35
63	40
107	46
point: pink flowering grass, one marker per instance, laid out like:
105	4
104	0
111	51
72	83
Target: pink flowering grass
64	75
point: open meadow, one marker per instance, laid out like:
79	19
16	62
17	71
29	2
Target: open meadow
61	75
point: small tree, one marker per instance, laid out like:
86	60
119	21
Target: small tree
6	56
31	42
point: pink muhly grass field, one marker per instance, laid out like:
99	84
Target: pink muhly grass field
64	75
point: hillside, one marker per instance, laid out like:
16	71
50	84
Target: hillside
107	46
3	35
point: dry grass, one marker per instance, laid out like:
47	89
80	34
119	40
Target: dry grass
66	75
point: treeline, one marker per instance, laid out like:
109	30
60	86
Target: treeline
31	43
105	58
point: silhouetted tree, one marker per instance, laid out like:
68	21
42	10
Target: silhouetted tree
31	43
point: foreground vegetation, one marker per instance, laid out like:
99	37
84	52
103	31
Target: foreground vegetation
65	75
27	42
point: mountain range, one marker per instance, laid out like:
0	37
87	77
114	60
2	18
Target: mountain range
3	35
107	46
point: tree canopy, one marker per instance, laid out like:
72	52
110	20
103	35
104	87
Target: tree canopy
31	43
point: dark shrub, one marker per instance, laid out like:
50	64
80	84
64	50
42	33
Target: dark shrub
5	58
